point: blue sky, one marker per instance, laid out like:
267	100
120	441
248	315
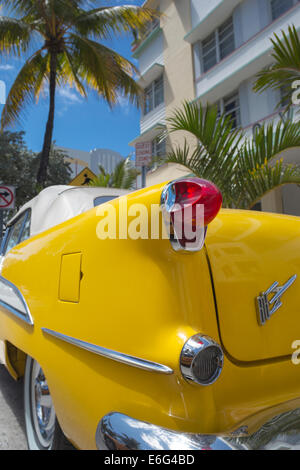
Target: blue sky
79	123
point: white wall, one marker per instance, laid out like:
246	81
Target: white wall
291	199
252	17
246	61
73	153
202	8
152	54
256	107
149	120
209	14
77	154
107	158
258	104
249	18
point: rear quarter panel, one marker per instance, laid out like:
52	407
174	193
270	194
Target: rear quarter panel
248	252
140	298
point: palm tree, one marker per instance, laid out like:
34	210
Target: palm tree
244	169
285	70
123	177
62	39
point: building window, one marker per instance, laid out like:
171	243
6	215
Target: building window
218	45
230	106
158	148
209	52
226	38
279	7
154	95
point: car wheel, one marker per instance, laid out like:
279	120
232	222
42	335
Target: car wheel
42	428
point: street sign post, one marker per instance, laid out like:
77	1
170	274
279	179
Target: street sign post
143	158
7	202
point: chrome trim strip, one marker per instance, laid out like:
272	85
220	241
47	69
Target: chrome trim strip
120	432
22	315
110	354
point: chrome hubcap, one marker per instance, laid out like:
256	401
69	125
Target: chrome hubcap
42	407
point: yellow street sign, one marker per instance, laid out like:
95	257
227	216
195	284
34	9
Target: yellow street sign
84	178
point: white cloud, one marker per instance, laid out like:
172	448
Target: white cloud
6	67
69	96
123	102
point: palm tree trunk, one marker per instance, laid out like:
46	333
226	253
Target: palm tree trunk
44	161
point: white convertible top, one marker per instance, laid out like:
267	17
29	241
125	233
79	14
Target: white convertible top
57	204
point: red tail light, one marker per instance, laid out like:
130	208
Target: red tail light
189	205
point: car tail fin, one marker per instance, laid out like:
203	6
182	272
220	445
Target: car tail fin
189	205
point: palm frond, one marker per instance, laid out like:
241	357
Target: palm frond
104	70
263	179
213	155
269	142
130	178
123	176
15	35
18	7
25	88
214	132
68	71
70	31
260	164
106	21
101	181
102	170
118	175
286	65
245	169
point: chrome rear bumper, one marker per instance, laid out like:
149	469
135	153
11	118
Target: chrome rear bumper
120	432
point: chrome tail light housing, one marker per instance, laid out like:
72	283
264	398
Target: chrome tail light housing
189	205
201	360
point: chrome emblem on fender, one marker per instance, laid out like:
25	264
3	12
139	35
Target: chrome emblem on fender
267	307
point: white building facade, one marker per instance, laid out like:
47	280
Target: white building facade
106	158
211	51
80	159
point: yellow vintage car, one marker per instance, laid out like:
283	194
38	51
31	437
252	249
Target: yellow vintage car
154	340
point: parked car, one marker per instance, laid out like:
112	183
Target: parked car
152	342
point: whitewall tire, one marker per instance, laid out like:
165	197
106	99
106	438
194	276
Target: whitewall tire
42	428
